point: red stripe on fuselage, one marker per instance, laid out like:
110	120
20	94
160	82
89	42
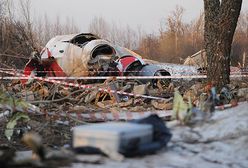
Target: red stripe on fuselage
55	70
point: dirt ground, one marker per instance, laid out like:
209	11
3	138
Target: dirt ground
220	141
53	134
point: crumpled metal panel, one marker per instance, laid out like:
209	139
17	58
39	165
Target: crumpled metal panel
198	59
74	55
122	51
150	70
73	62
153	70
176	69
129	63
92	45
73	59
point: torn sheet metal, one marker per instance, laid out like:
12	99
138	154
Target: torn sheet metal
198	59
130	65
175	69
73	53
155	70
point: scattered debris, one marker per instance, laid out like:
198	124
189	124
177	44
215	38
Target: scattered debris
199	60
57	113
162	105
52	109
181	110
243	94
140	90
12	123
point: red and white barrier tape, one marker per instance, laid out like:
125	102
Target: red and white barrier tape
125	116
109	77
104	116
95	116
83	86
142	77
174	71
108	116
117	77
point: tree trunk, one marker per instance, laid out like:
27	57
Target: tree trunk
220	23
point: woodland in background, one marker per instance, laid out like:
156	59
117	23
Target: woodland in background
175	40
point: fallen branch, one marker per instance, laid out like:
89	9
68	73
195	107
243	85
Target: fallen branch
57	100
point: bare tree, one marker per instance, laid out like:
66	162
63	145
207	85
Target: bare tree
220	23
175	25
197	33
70	26
149	47
99	27
173	36
27	21
118	34
2	11
45	29
57	27
127	37
240	41
2	4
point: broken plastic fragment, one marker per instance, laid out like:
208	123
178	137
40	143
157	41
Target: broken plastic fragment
12	123
181	110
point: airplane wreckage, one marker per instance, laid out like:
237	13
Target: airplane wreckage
80	55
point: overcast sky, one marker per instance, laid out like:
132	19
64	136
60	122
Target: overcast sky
144	13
